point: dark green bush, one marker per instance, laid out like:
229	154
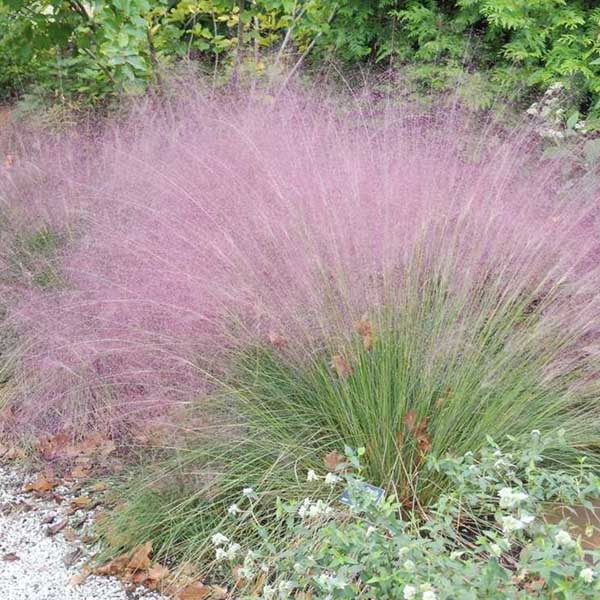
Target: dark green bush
93	50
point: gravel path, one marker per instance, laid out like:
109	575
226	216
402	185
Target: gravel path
38	566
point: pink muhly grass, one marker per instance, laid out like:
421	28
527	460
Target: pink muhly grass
238	223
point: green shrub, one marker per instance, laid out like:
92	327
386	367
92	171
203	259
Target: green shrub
520	48
486	539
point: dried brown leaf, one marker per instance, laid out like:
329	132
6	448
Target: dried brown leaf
334	461
43	483
10	557
140	557
341	366
81	502
194	591
409	420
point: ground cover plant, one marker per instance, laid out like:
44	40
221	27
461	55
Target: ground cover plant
487	538
272	278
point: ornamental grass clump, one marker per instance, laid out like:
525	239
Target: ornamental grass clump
276	279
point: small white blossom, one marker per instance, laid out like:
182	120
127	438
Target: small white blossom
268	592
233	550
409	565
495	549
319	508
332	478
429	595
245	573
285	587
218	539
220	554
409	592
527	519
311	475
370	530
248	492
564	540
510	524
587	575
234	509
510	498
329	582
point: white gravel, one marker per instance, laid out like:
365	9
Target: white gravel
32	564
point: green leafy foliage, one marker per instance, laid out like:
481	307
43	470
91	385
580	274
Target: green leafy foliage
97	49
490	538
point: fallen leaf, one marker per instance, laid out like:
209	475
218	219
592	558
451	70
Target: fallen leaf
158	572
116	566
155	575
54	529
70	534
81	577
140	558
341	366
99	487
49	446
334	461
79	472
194	591
41	484
10	557
81	502
72	557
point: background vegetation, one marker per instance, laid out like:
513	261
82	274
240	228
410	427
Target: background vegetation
75	50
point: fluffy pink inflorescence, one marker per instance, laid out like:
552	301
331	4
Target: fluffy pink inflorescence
239	221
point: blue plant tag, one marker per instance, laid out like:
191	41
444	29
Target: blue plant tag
364	493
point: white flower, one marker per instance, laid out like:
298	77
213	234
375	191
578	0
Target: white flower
218	539
248	492
429	595
268	592
234	509
285	587
587	575
245	573
527	519
330	583
233	550
319	508
510	524
410	592
220	554
409	565
370	530
564	540
311	475
303	508
496	550
331	478
510	497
